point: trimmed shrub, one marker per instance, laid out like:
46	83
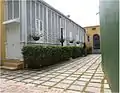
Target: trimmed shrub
89	50
37	56
76	52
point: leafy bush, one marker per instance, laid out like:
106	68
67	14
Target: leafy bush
89	50
76	52
36	56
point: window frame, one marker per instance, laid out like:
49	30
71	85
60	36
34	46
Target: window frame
13	10
38	26
88	38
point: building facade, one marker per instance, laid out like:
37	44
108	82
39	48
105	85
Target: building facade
2	32
93	37
35	22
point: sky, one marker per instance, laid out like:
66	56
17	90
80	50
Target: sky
83	12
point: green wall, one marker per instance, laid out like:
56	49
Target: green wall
109	25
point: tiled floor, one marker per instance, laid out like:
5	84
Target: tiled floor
83	75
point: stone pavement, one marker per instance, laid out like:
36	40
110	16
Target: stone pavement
82	75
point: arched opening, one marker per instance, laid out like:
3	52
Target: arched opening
96	41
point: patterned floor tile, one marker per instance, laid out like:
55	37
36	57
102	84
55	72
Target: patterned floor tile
67	81
85	76
55	80
69	77
44	79
27	80
37	82
61	85
82	83
96	80
84	79
76	87
48	83
93	90
72	91
107	91
98	85
35	77
106	86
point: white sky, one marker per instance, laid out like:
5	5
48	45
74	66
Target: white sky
82	12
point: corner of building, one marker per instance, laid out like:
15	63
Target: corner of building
2	33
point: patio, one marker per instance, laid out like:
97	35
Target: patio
81	75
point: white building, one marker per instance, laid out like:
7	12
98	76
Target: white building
25	19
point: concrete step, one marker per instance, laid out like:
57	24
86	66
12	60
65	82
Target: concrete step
12	65
8	68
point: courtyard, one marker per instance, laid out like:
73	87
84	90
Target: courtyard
81	75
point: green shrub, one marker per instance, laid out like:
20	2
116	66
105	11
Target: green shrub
89	50
36	56
76	52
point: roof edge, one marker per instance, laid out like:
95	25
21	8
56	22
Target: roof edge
92	26
48	5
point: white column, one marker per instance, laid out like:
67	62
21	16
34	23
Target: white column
23	25
30	17
65	33
47	22
51	29
23	19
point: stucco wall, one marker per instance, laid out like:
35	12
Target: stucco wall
90	33
2	32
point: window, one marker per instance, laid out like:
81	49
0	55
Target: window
70	35
39	26
16	8
93	28
77	37
37	10
12	9
88	37
41	12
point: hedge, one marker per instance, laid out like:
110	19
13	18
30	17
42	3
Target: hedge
89	50
36	56
76	52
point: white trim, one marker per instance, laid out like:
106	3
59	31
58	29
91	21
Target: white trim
39	10
17	20
30	17
51	28
23	22
19	8
47	22
60	25
65	33
6	10
43	40
54	41
12	9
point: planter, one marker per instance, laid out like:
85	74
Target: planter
35	38
71	41
62	41
78	42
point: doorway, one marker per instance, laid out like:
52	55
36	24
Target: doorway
13	41
96	41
